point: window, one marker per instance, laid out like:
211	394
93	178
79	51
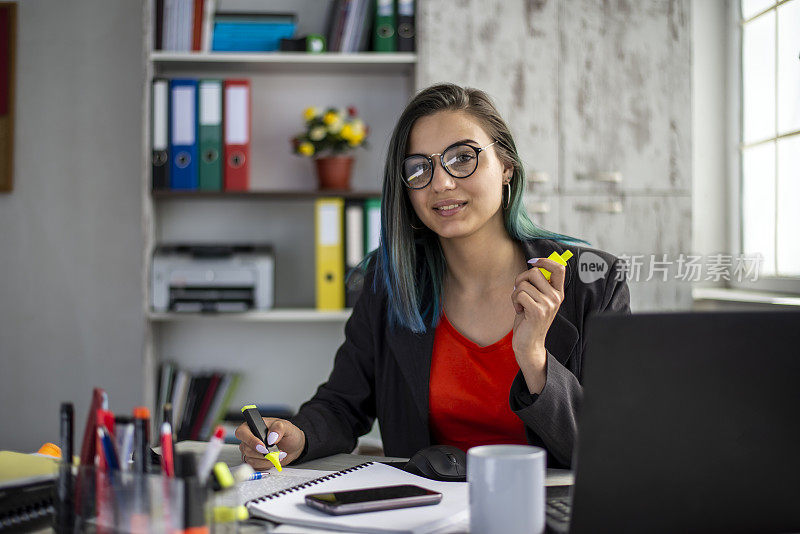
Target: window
770	138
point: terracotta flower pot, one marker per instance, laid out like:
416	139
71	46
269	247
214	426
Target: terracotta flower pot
333	172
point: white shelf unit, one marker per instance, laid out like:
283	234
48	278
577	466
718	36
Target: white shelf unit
356	62
279	209
271	316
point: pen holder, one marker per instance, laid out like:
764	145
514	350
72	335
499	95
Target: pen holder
111	502
226	512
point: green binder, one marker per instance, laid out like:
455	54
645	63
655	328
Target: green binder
385	37
209	118
372	224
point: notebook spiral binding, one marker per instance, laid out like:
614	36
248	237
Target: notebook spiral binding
310	483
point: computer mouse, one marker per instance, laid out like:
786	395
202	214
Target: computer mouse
439	462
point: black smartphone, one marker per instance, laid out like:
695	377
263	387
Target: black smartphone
372	499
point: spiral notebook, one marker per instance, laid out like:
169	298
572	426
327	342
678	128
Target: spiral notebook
288	506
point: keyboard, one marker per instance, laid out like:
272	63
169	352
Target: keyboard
558	511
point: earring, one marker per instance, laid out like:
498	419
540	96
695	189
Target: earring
507	201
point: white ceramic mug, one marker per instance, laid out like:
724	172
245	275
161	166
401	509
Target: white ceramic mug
506	489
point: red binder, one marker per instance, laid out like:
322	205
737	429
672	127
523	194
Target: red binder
197	25
237	135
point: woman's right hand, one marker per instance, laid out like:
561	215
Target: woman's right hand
289	439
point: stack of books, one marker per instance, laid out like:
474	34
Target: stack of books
372	25
196	26
251	32
199	400
353	26
183	25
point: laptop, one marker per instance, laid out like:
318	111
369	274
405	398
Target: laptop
690	423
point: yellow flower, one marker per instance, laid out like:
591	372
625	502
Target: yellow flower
310	112
347	132
306	149
355	140
331	117
317	133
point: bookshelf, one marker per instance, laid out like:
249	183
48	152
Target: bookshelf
162	196
293	337
363	62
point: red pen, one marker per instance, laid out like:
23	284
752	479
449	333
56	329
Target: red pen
210	456
167	461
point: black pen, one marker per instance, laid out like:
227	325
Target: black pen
65	510
194	494
141	440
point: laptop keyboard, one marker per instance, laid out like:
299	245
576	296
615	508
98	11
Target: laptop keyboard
557	512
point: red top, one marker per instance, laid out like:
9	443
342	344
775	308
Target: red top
469	391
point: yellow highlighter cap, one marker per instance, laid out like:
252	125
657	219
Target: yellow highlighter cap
558	258
223	475
273	457
229	514
248	407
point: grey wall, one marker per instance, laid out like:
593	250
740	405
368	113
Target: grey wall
71	240
71	245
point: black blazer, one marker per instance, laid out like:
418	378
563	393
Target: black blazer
384	372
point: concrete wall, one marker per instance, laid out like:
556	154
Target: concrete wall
71	239
587	87
710	126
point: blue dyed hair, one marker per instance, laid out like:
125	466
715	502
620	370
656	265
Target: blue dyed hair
409	263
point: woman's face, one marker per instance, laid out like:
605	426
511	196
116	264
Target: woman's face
477	198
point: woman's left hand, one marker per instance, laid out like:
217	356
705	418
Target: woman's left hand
536	302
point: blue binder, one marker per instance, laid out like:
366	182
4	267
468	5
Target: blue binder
183	142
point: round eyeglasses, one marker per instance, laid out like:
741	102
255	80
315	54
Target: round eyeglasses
459	160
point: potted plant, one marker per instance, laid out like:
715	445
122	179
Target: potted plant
330	137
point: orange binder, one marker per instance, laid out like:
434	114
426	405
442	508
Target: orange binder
237	135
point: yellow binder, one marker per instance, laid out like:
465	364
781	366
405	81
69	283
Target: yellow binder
329	224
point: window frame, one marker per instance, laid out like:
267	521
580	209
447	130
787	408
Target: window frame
772	283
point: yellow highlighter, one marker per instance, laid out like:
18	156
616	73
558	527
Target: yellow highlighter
256	425
558	258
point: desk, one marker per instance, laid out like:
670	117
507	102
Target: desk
230	455
554	478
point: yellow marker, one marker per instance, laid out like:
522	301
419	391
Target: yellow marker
223	475
274	457
558	258
256	425
229	514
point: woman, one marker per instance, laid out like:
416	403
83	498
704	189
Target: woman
455	339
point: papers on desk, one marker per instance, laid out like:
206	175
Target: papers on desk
274	481
288	506
17	468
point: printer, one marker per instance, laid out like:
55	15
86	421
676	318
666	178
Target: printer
212	277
